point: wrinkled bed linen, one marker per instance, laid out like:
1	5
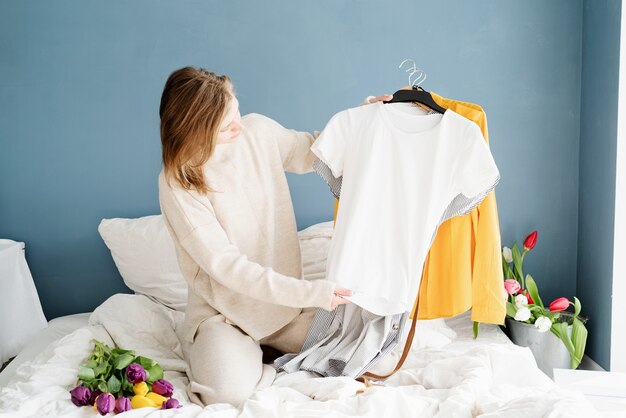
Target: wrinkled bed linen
460	377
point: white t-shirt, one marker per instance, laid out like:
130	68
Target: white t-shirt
404	173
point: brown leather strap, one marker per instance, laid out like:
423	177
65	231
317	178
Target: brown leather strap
405	352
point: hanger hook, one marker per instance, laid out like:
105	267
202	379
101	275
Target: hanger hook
421	75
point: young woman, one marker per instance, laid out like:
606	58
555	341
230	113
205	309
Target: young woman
225	200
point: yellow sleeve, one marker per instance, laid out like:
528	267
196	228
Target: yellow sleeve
488	303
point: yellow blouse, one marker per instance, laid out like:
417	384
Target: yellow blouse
463	268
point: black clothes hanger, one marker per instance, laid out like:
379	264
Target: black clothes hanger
416	95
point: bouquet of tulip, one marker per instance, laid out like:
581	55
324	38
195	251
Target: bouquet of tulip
524	304
115	380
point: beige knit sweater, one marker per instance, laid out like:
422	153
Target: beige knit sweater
238	246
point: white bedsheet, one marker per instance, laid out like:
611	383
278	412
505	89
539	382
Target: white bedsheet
488	377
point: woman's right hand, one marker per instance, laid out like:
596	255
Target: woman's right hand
374	99
338	299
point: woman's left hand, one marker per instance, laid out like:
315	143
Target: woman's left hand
338	295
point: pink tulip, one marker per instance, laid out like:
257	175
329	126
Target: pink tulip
511	286
559	304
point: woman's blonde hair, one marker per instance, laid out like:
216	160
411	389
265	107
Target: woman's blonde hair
193	104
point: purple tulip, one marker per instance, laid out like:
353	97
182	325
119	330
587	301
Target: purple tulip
105	403
81	395
171	403
135	373
163	388
122	404
94	394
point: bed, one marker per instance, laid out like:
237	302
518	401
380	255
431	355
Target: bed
447	373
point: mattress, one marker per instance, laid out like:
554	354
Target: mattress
447	373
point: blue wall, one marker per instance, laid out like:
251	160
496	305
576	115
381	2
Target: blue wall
598	146
80	83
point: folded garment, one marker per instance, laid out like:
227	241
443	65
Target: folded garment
347	341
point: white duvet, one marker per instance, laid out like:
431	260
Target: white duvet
447	374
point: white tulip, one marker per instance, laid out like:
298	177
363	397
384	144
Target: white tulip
543	324
522	314
508	254
521	301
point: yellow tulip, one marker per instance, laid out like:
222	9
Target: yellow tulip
139	401
140	388
158	399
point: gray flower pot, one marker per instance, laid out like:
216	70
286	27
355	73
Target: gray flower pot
548	350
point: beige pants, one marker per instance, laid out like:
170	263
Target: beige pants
226	363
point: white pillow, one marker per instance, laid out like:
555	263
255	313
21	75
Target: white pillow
314	244
144	254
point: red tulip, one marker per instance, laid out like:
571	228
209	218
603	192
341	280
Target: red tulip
559	304
530	241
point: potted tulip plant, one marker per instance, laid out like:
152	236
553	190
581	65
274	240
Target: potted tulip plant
529	320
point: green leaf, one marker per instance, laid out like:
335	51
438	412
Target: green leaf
154	373
517	263
533	291
86	373
102	386
560	330
145	362
474	328
120	351
577	307
122	361
506	269
91	364
114	385
126	385
101	347
101	368
579	339
536	308
510	310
